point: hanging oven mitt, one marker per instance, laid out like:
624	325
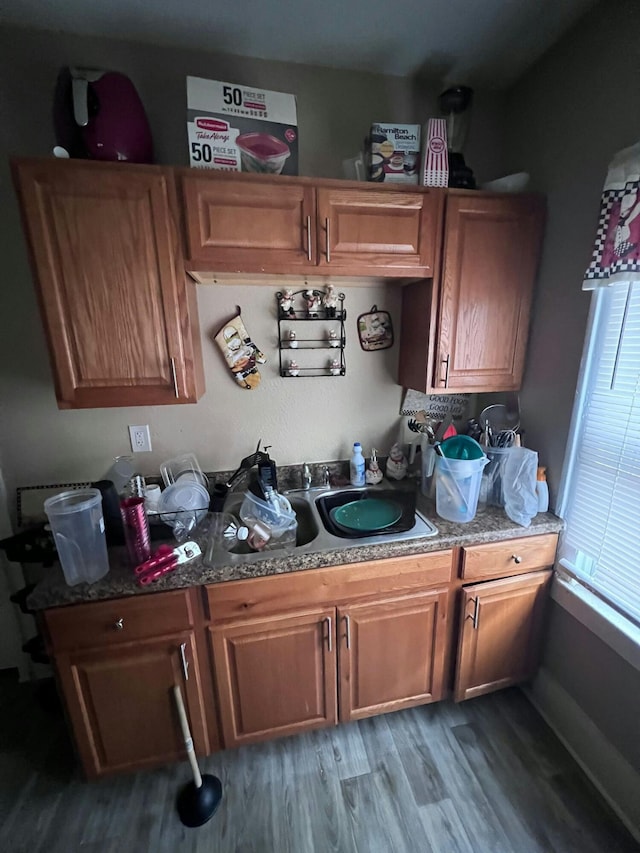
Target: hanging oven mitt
240	353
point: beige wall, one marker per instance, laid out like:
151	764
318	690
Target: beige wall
307	419
565	120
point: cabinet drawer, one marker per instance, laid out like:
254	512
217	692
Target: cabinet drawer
513	557
327	586
98	624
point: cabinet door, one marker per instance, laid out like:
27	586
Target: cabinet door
500	625
119	315
121	704
240	224
376	232
276	676
491	250
392	653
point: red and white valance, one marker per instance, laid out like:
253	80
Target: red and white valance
616	254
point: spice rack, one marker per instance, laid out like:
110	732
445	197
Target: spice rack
305	336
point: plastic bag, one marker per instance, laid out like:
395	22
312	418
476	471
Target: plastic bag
519	483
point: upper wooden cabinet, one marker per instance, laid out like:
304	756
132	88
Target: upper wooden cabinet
467	331
376	232
260	224
119	313
235	225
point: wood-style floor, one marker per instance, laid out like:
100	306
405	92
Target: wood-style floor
487	776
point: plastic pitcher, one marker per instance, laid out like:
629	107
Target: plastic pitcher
458	487
78	529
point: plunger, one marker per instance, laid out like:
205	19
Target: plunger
198	800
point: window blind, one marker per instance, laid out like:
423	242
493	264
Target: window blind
600	497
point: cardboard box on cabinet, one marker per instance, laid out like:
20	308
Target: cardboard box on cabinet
241	128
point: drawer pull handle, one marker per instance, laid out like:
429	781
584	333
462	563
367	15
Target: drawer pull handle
348	621
446	361
119	625
185	662
174	377
476	613
516	558
329	622
309	249
328	239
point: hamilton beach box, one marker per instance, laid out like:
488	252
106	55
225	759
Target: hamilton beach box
394	153
241	128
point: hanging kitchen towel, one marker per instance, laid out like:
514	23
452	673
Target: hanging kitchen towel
616	254
240	353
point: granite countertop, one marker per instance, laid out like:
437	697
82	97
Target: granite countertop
490	525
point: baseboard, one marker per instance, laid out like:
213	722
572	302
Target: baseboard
612	775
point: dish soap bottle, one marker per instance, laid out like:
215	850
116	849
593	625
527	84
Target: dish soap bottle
356	465
542	490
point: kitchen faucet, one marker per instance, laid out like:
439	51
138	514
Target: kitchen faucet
306	476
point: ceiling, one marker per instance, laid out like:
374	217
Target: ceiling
477	41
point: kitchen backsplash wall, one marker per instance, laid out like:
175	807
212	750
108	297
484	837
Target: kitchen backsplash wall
304	418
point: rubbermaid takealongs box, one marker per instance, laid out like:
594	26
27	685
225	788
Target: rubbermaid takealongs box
241	128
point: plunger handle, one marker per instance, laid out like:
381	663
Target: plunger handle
186	734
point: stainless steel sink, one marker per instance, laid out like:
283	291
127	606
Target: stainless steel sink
312	535
308	527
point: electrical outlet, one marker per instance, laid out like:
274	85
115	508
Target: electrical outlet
140	438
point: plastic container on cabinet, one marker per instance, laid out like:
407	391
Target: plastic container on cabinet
458	487
77	525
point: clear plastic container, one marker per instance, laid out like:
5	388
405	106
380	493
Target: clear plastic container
78	529
492	484
183	468
277	514
218	534
458	487
428	453
183	505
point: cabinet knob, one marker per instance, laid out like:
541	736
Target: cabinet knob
516	558
119	625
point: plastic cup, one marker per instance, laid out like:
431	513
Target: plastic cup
428	453
78	529
493	475
458	487
136	530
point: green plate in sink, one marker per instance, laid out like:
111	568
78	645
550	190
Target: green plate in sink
367	515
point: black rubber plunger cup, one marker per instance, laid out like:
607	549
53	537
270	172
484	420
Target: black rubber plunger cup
198	801
198	805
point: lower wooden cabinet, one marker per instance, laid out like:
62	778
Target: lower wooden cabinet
276	676
121	704
265	657
392	653
279	675
500	627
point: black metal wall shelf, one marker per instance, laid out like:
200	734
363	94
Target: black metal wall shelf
317	311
